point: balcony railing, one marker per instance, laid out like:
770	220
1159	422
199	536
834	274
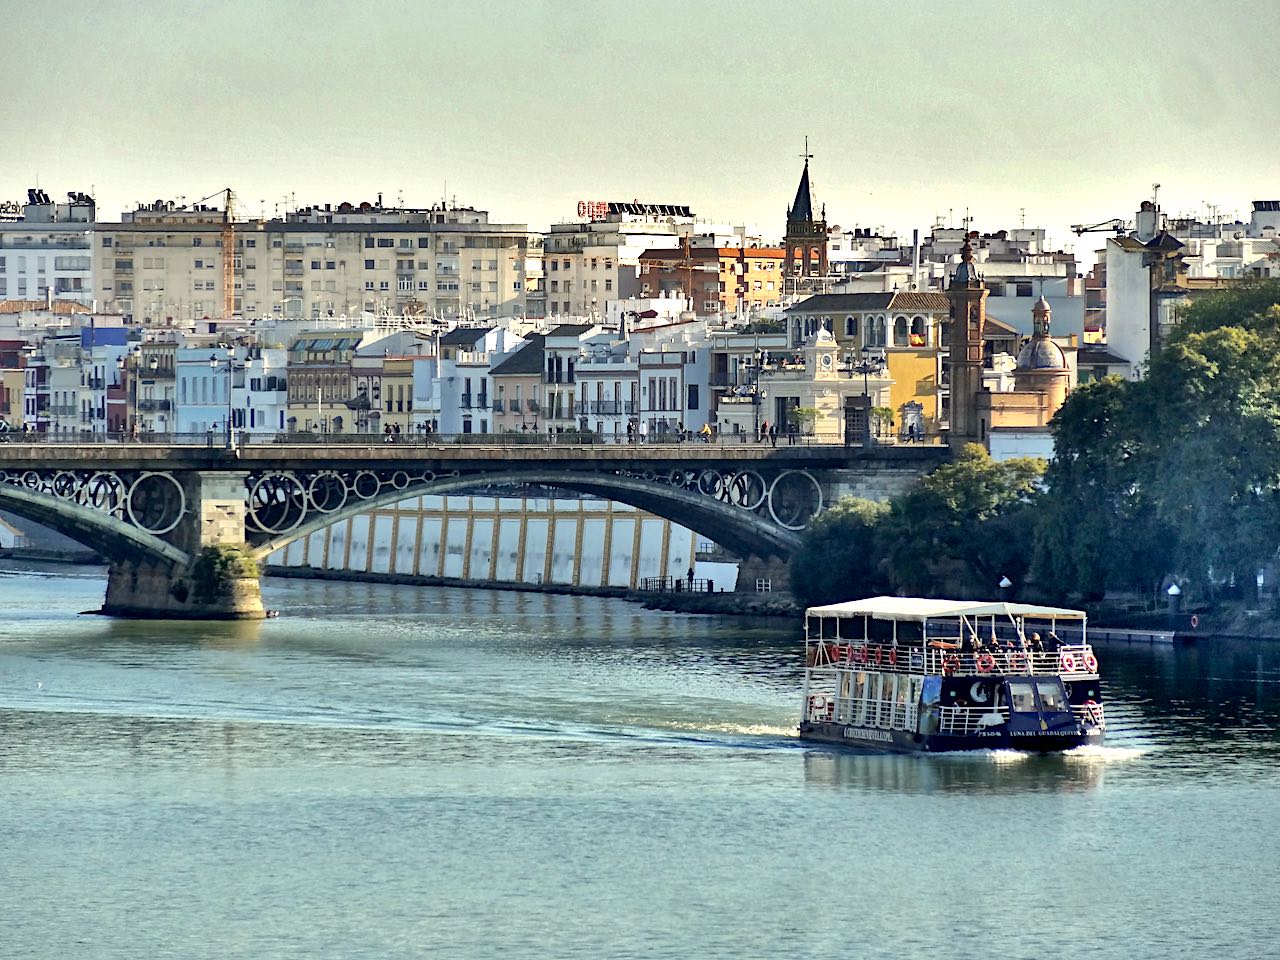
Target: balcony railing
466	401
499	405
483	401
152	405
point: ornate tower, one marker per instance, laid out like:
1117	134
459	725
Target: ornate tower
1042	366
968	296
806	238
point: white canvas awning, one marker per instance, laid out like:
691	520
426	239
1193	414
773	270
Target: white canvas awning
917	608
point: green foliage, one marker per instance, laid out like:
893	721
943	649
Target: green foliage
216	567
883	417
959	530
803	417
964	526
840	558
1178	473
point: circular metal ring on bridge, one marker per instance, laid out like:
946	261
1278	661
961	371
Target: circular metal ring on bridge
103	491
400	479
278	503
64	484
327	492
366	485
747	490
794	498
31	480
428	475
710	482
155	502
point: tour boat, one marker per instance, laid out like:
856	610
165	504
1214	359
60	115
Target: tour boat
915	675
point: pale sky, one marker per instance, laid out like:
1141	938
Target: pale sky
1069	111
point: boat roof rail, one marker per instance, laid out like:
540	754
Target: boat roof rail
919	608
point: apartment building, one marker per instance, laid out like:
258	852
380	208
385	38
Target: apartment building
718	280
46	248
162	264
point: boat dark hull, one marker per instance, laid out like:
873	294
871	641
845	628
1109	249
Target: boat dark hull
903	741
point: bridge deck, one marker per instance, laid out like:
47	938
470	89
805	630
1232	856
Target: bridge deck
146	456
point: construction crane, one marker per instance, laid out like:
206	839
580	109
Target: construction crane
1116	226
228	250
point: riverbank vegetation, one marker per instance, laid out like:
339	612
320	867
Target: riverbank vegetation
1174	478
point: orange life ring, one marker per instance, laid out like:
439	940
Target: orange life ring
879	654
1067	662
858	654
950	664
985	663
893	656
1195	620
1091	662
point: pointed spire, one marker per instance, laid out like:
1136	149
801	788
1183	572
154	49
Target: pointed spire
802	209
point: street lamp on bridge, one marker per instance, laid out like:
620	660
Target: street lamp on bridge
230	367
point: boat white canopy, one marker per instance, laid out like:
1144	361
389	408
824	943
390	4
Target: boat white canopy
918	608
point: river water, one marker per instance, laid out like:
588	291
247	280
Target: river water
389	772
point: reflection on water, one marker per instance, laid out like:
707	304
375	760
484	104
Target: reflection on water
1000	772
479	774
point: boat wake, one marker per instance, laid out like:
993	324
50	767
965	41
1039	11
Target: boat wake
1102	753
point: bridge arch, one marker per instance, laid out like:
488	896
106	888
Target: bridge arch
742	531
113	538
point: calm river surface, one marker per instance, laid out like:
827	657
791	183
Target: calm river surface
389	772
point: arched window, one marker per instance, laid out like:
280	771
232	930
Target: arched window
850	327
918	338
901	335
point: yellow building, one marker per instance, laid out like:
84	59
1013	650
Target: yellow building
902	330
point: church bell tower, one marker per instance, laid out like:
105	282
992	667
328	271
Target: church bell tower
806	238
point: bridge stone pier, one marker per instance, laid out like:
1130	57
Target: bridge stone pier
184	527
217	579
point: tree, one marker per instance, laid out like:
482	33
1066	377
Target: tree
964	526
802	418
1098	524
1178	473
840	558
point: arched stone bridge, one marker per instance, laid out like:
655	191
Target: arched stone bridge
164	515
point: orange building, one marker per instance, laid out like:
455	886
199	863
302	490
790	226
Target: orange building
717	279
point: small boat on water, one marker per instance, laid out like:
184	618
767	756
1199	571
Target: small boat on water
917	675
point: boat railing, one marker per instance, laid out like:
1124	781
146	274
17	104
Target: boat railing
1090	714
1072	662
964	720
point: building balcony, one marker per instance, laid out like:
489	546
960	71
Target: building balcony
482	401
152	405
499	405
466	401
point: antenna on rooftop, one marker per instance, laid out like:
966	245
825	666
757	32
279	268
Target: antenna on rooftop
1155	194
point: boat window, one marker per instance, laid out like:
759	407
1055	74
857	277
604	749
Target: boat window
1051	699
814	628
1022	697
